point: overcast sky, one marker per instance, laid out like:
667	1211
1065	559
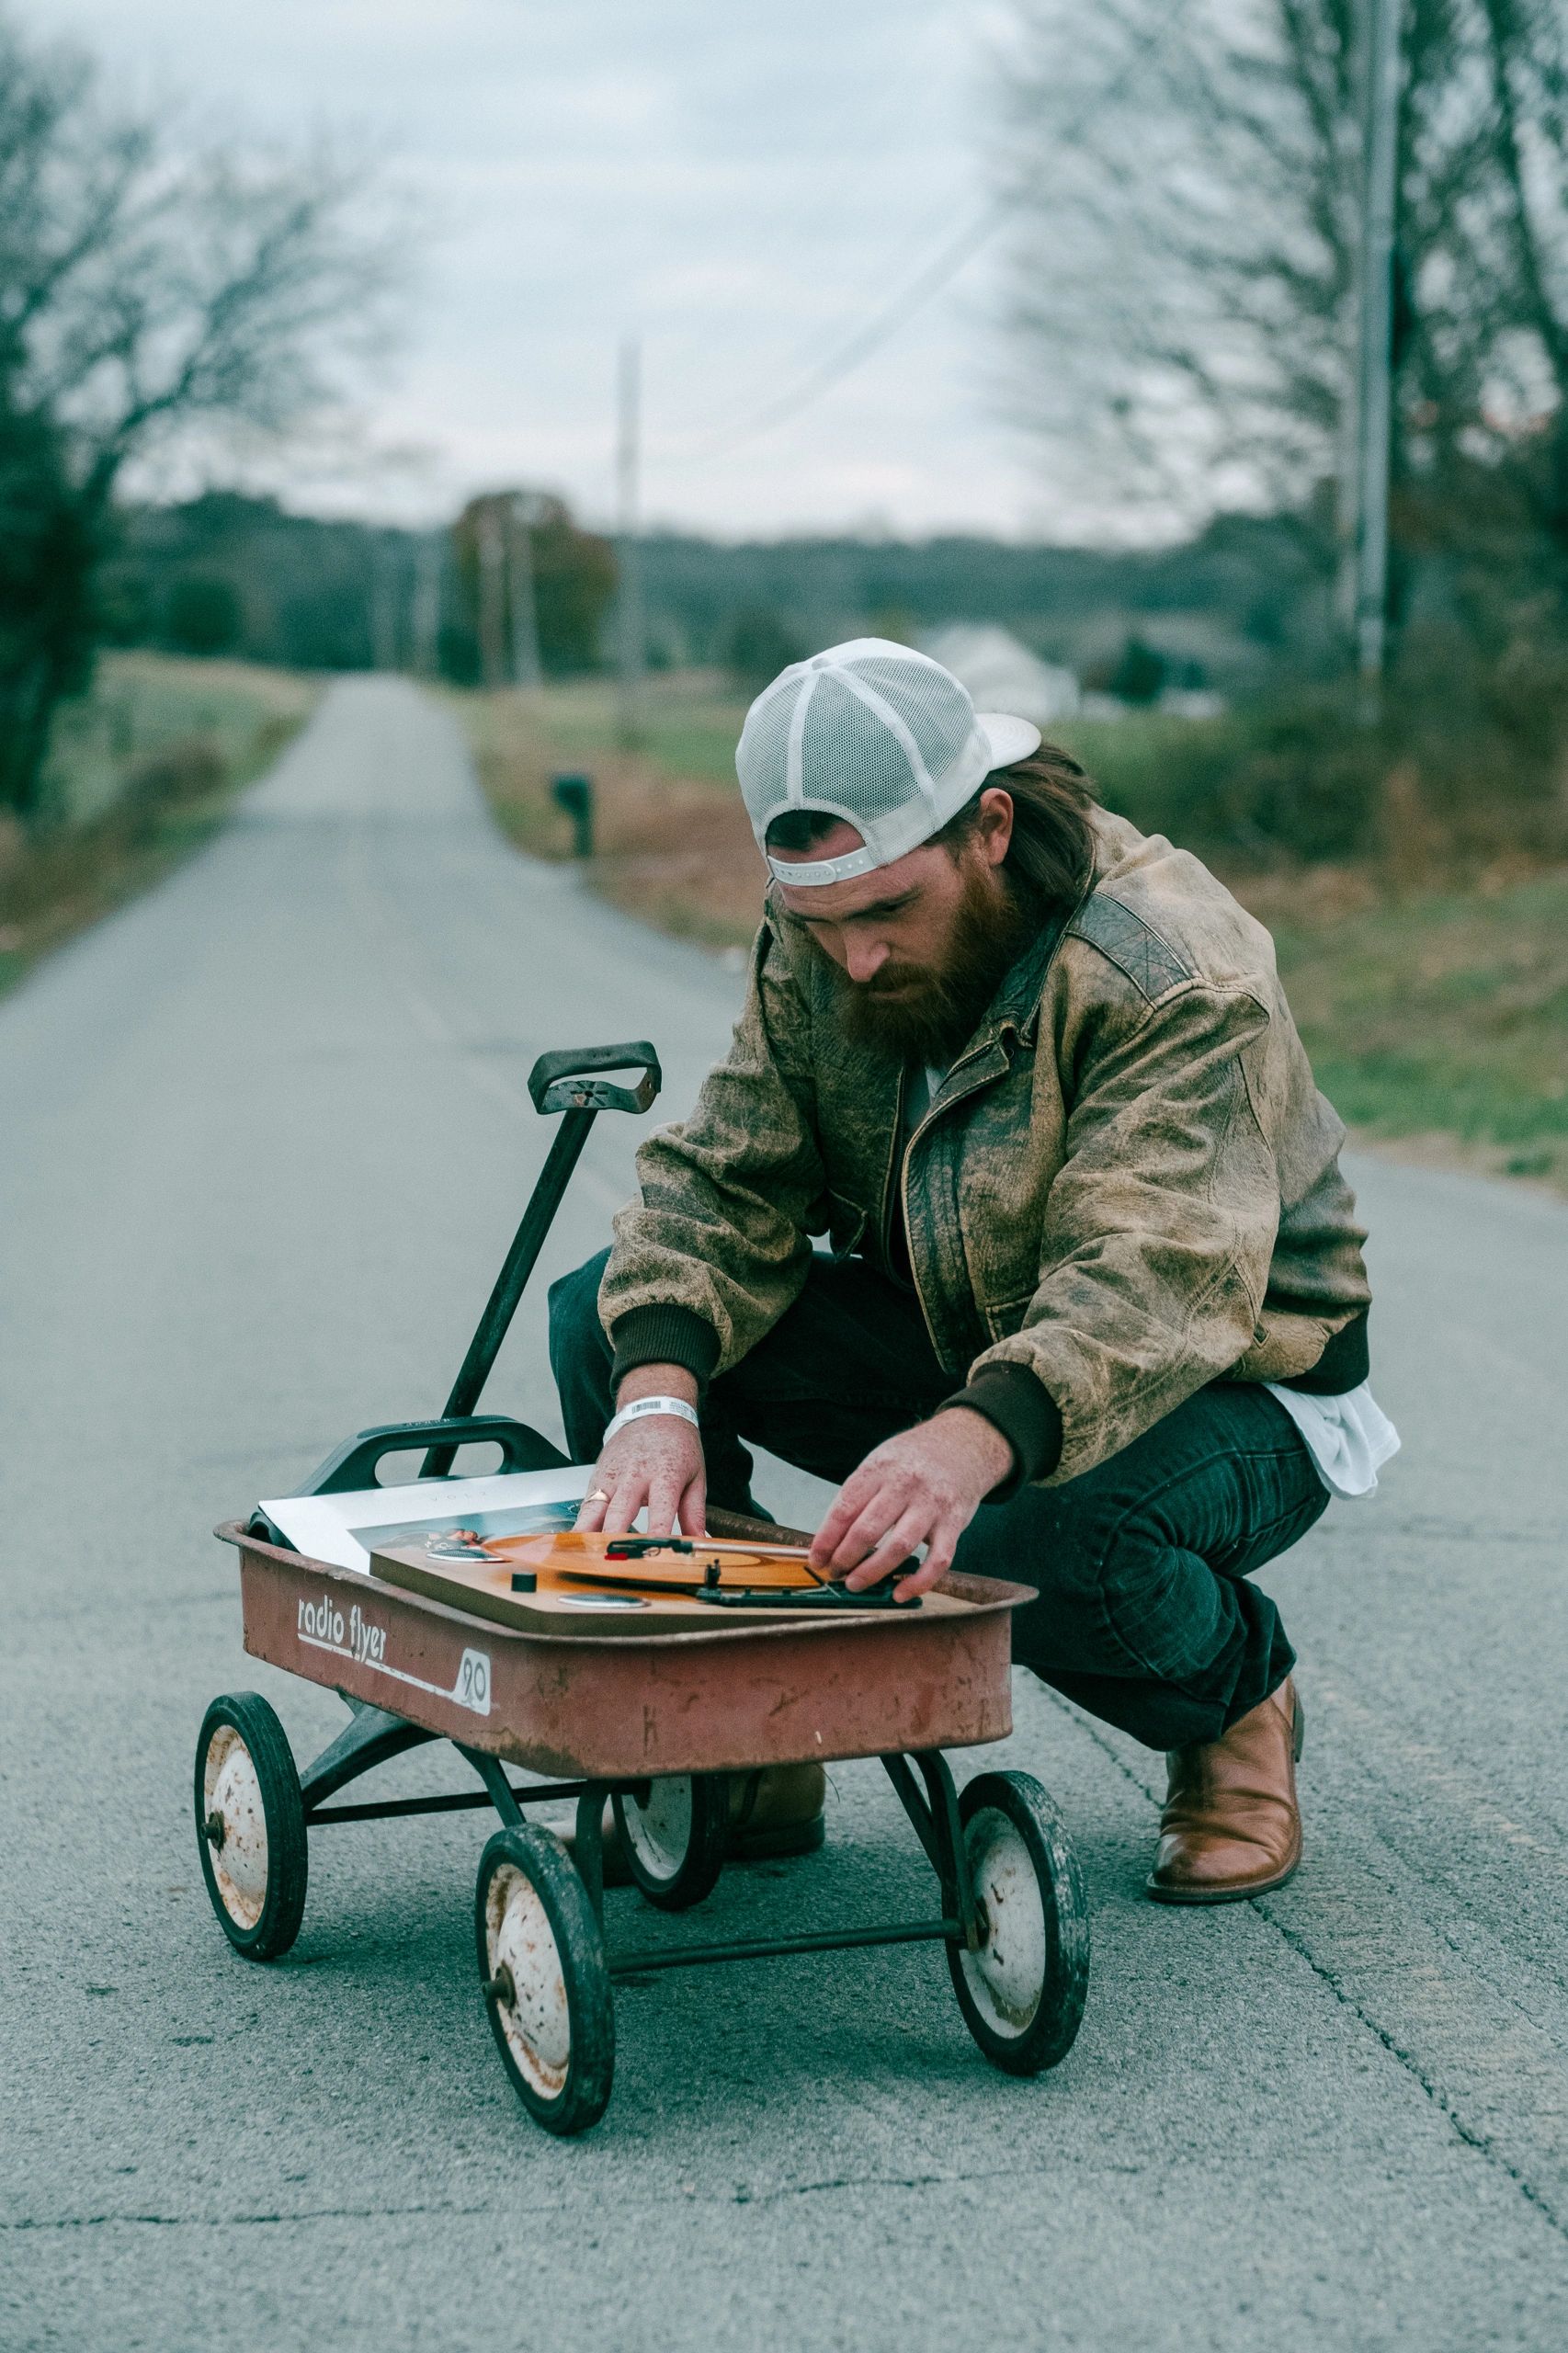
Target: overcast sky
738	184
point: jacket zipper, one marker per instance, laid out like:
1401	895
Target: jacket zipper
931	1114
887	1176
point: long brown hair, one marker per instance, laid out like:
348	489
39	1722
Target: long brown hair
1052	854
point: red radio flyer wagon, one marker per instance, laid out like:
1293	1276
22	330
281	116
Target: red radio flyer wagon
653	1723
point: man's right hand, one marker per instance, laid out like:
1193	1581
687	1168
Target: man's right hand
655	1461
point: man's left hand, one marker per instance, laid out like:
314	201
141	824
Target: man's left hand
922	1487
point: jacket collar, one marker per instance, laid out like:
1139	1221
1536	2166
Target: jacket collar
1016	1006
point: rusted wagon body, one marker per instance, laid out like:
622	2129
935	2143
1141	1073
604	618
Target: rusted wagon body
632	1707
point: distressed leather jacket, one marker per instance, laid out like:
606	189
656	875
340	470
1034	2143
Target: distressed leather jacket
1126	1186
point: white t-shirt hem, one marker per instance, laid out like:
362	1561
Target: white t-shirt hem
1350	1438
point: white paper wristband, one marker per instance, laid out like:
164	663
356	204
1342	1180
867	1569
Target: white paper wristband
641	1406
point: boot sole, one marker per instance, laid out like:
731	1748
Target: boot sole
1159	1895
1220	1894
782	1838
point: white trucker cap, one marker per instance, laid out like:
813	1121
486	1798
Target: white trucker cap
877	734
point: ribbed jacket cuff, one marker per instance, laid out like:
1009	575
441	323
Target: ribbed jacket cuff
1028	1415
664	1335
1344	1364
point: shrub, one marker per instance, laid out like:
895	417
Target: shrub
1467	764
761	643
203	615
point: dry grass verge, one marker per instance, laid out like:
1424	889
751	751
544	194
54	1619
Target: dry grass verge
672	841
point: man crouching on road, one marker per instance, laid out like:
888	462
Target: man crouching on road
1093	1311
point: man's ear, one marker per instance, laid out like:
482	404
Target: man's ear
994	830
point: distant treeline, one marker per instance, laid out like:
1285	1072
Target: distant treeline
231	574
1227	600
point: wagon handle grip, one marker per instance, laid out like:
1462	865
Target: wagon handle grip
564	1081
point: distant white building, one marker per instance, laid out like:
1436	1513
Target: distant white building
1001	674
1193	702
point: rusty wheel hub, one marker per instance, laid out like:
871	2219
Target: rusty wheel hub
235	1827
527	1980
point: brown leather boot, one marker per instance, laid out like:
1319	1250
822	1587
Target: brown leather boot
1230	1825
777	1811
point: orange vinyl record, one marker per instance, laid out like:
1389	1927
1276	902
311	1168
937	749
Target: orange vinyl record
671	1564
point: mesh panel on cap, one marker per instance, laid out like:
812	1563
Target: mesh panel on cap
850	754
764	753
923	696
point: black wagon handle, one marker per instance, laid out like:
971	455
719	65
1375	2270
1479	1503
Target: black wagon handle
565	1080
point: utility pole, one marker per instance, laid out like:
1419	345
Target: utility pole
492	592
386	568
522	514
430	563
1374	390
628	613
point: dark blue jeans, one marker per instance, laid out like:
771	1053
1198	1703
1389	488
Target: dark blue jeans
1144	1615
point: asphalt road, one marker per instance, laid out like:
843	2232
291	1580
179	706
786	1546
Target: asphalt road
263	1137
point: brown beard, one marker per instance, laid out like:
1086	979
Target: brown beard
921	1014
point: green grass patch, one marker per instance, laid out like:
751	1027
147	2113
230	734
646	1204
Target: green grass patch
687	727
1446	1013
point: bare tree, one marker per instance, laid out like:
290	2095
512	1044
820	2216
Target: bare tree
1185	281
146	292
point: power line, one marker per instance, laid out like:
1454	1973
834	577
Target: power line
628	615
945	264
928	281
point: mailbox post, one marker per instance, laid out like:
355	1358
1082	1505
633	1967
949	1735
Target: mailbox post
574	794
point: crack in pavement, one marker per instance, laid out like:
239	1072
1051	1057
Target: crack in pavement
681	2201
1484	2144
230	2221
1011	2172
1390	1766
1442	2100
